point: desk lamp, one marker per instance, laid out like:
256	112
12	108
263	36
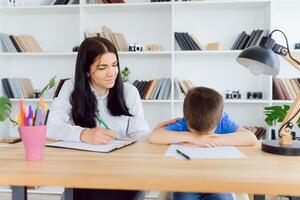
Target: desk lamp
262	59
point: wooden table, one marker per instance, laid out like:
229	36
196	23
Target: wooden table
142	166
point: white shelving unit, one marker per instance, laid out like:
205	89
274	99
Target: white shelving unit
61	27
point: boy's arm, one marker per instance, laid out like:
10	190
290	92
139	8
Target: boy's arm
238	138
162	136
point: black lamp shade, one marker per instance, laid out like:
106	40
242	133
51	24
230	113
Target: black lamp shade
259	60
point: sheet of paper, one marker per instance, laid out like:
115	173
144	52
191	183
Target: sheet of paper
115	144
223	152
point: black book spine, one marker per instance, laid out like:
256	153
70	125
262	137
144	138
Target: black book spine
189	46
238	40
11	37
250	39
186	46
195	46
7	88
179	41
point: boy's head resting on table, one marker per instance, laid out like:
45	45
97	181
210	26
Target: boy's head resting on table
202	109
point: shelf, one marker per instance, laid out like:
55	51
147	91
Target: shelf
228	4
156	101
121	53
145	53
282	101
50	100
129	7
39	54
237	101
29	100
38	9
217	52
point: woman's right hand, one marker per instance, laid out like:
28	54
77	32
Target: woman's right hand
97	135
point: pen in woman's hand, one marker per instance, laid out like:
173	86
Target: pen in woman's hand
183	154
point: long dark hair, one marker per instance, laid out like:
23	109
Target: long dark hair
83	101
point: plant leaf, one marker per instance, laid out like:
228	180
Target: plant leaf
5	108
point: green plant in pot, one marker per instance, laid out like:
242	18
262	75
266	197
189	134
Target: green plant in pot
276	114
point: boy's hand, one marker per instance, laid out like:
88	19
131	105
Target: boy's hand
209	140
163	124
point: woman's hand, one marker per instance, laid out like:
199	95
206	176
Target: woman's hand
97	135
163	124
207	140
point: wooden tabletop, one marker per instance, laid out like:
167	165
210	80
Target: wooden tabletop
142	166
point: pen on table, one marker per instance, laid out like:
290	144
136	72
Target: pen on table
106	126
183	154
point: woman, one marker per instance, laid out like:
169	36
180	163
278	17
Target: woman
95	100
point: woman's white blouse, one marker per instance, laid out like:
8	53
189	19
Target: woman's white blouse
61	126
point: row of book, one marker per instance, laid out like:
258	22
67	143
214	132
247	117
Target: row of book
160	89
117	39
286	89
187	42
245	40
59	2
19	43
18	87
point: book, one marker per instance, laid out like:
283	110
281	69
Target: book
27	88
155	95
7	88
59	86
277	90
151	88
238	40
290	88
284	90
243	42
250	39
101	148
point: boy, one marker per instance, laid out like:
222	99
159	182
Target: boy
204	124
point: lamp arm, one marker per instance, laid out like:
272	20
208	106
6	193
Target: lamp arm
293	114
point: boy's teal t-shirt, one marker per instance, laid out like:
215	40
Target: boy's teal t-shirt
225	125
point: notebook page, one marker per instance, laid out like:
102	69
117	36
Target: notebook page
222	152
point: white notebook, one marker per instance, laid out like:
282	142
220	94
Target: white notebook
222	152
114	144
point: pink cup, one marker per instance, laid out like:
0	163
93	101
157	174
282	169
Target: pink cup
33	138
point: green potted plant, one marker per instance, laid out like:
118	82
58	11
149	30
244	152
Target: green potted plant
125	74
275	115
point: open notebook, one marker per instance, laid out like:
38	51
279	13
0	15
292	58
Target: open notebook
114	144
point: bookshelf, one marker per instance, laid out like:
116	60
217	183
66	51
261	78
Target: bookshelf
58	28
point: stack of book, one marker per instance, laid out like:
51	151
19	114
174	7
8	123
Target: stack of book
160	89
186	42
181	88
245	40
20	43
286	89
105	1
59	2
18	87
117	39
